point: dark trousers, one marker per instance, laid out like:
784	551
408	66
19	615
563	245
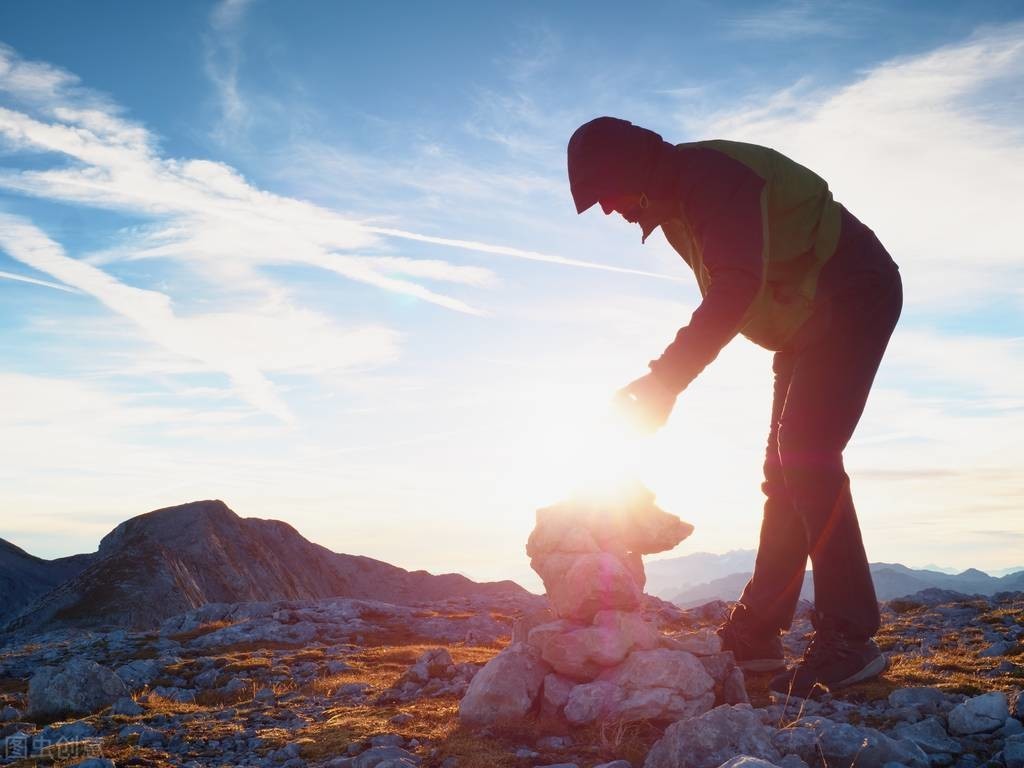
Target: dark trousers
821	388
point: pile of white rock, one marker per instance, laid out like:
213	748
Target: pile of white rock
597	656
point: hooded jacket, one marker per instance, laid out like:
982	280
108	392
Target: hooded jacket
756	228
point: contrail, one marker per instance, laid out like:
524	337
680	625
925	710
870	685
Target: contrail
503	250
34	281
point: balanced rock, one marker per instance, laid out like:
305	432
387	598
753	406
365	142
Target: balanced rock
650	685
583	652
590	583
628	522
595	657
588	552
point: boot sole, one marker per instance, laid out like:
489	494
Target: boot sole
873	669
762	665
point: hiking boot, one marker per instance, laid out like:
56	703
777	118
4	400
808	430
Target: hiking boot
832	660
755	648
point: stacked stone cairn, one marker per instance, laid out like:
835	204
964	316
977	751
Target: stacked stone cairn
598	654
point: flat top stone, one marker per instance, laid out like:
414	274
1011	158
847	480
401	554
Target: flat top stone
628	522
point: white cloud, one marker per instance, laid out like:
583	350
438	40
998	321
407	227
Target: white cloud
31	80
223	60
796	19
242	345
209	218
35	281
924	149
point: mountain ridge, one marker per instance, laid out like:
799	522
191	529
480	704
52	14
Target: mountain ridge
891	579
175	559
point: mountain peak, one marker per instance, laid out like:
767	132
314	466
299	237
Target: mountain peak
179	524
974	573
178	558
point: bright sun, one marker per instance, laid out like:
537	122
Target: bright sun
584	448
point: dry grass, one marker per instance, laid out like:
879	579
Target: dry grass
436	722
310	654
121	753
246	664
381	666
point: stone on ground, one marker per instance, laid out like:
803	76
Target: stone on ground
79	687
713	738
506	689
841	745
980	714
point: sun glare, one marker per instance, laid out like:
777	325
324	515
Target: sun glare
584	449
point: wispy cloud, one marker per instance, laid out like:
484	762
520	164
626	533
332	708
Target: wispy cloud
242	345
208	217
925	149
501	250
796	19
223	60
35	281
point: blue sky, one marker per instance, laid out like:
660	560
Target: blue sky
319	260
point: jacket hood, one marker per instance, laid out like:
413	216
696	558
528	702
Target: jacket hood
608	156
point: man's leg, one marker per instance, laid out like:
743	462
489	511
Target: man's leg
827	394
773	590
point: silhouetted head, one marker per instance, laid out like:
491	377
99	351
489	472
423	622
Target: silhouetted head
612	162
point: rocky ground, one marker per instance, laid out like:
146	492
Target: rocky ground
341	682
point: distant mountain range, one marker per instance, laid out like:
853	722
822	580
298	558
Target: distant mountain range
172	560
698	578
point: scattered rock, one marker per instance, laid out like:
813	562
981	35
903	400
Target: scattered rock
928	700
1013	752
734	689
745	761
80	687
930	736
841	745
257	632
127	707
139	673
996	649
506	689
713	738
385	757
980	714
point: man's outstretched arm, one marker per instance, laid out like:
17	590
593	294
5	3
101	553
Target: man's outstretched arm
734	240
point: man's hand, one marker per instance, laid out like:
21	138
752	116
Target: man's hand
645	403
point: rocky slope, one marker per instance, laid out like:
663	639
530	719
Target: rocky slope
346	683
24	577
172	560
